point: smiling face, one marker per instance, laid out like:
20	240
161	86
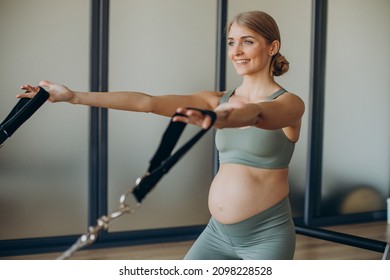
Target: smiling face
249	52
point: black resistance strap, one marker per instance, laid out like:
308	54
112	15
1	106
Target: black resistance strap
163	159
22	111
160	164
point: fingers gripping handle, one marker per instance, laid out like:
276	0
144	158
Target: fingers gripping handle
22	111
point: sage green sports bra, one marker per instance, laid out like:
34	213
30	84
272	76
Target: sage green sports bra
252	146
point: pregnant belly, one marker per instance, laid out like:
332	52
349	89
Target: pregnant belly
240	192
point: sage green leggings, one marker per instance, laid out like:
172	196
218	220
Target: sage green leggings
269	235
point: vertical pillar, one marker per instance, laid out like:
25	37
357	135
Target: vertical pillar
316	118
220	75
98	116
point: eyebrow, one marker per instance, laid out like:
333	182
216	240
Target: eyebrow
243	37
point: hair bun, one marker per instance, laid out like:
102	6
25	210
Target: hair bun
280	65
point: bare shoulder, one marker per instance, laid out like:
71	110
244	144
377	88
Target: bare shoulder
293	100
292	96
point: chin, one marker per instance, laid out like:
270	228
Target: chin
243	73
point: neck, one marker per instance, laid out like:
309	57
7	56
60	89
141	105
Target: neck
257	87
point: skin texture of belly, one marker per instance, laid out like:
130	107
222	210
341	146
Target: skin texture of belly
239	192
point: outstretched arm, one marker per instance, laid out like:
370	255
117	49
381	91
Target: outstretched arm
131	101
285	111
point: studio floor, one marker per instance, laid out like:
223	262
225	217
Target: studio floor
307	248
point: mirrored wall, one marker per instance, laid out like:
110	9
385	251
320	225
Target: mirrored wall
356	155
44	165
166	49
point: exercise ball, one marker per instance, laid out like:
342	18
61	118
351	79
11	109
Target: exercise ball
362	199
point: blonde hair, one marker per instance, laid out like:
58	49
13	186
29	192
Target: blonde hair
263	24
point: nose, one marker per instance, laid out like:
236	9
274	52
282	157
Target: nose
237	50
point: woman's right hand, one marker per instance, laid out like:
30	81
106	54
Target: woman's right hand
58	93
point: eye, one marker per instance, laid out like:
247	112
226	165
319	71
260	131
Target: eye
247	42
230	43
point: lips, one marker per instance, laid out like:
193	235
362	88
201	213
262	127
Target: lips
242	61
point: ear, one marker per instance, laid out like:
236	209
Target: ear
275	45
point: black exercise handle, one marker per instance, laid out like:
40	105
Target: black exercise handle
172	135
22	111
162	160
